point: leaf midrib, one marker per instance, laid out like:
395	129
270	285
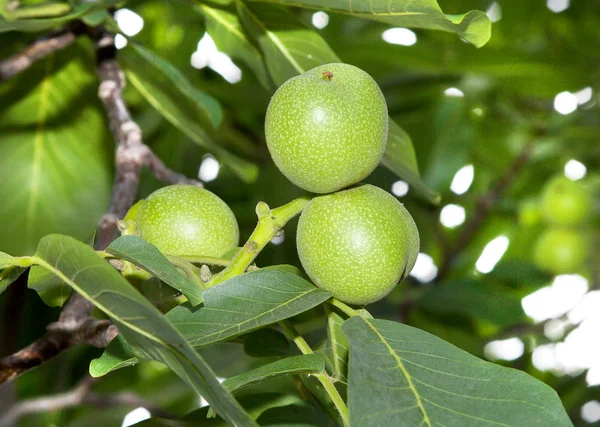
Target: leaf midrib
110	313
275	40
223	22
200	340
38	148
405	372
344	11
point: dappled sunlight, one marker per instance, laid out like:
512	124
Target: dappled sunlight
136	416
399	36
425	269
575	170
278	239
590	411
454	92
508	349
557	6
320	20
129	22
565	292
565	103
400	188
452	216
207	55
209	169
492	254
494	12
462	180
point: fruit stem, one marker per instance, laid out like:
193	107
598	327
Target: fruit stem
350	312
323	378
222	262
270	222
22	261
105	255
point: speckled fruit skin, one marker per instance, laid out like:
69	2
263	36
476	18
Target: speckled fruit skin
325	133
565	202
129	223
357	243
187	220
561	251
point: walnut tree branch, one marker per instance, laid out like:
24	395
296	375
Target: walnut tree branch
132	154
75	325
36	50
81	394
483	206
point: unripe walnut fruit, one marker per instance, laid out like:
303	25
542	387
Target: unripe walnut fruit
561	250
327	128
357	243
565	202
187	220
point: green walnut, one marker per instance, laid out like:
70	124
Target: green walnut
129	224
561	250
529	213
565	202
327	128
357	243
187	220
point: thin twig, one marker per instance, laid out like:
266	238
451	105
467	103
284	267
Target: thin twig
131	153
483	206
81	394
73	327
36	50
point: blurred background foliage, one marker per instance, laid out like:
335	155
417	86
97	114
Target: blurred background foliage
489	126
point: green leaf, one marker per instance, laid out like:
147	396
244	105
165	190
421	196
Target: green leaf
301	414
519	274
400	158
239	305
141	253
51	289
336	346
475	299
12	267
255	404
4	8
402	376
245	303
291	48
118	354
304	364
227	32
169	75
56	152
142	325
5	260
43	10
292	269
157	81
9	275
266	342
474	26
42	24
454	137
